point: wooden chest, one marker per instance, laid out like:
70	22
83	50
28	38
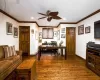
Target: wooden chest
26	70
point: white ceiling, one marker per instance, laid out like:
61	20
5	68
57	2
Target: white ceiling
72	10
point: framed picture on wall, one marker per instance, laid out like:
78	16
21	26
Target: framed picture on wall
15	32
32	31
80	29
55	33
40	34
40	39
87	29
63	35
8	28
62	30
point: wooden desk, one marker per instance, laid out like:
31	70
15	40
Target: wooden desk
51	47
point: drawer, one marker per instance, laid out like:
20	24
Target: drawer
91	55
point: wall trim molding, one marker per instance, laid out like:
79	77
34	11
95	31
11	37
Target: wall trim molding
67	23
47	26
80	58
88	16
3	12
28	22
97	11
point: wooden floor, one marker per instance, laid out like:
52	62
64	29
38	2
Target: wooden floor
56	68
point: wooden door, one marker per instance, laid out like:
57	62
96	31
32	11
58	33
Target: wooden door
24	40
70	40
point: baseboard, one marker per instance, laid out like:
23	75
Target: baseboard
33	55
81	58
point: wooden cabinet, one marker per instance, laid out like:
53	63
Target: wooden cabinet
93	60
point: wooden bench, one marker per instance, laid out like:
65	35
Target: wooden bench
26	70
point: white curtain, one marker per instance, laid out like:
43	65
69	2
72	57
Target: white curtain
44	33
47	33
50	33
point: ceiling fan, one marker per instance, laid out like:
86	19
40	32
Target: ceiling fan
50	15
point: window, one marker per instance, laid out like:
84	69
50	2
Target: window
47	33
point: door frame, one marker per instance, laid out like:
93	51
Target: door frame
29	38
75	38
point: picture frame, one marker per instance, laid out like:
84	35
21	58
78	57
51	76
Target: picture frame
62	30
87	29
63	35
55	33
58	35
40	34
40	39
80	29
8	28
15	32
32	31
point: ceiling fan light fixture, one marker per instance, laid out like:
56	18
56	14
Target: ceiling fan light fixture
32	17
48	24
64	18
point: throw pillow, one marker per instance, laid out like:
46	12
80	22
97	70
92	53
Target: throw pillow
6	51
13	51
10	51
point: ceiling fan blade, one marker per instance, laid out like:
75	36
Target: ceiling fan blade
56	17
49	19
42	14
53	13
41	18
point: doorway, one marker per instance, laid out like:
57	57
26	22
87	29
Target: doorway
24	40
70	40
